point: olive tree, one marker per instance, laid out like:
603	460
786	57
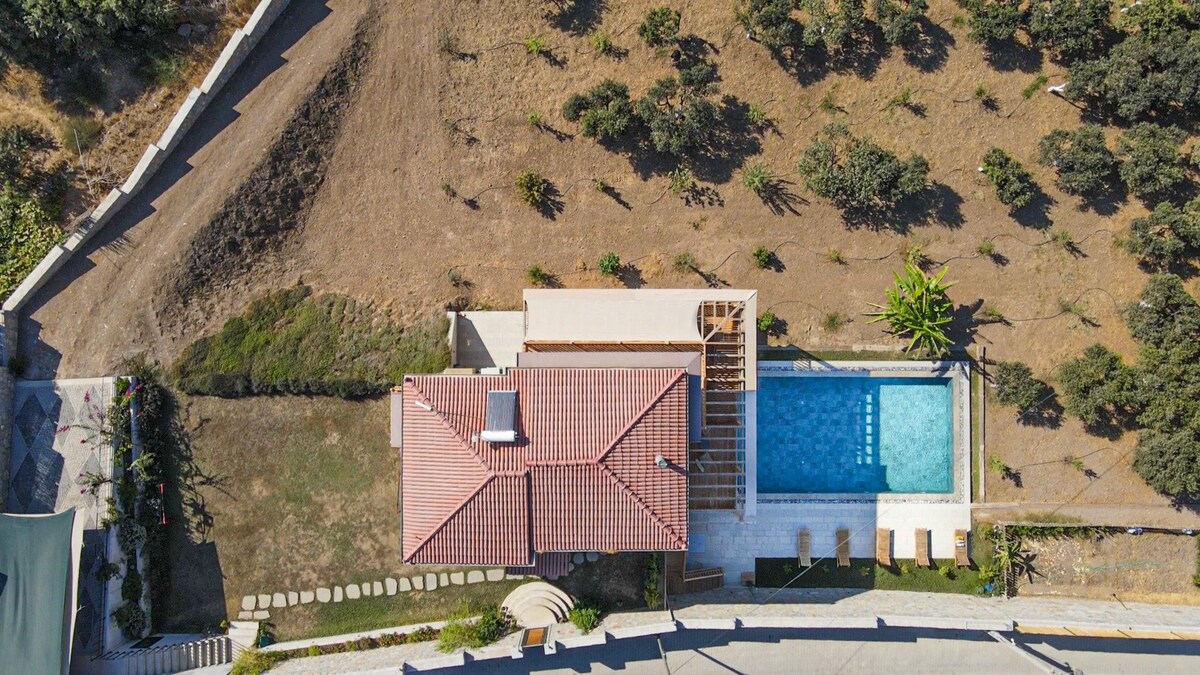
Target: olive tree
604	111
993	21
1151	165
75	26
898	20
660	27
856	173
1143	74
677	112
1016	387
1081	157
770	21
1166	237
833	24
1071	29
1098	387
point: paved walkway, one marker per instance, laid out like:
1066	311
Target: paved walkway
1114	515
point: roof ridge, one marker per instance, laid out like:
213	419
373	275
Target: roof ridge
642	506
445	420
654	400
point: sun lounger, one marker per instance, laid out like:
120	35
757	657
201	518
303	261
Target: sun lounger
883	547
843	547
962	557
923	548
804	548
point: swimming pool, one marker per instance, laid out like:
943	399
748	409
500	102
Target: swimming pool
855	434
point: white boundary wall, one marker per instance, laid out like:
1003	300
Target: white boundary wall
240	44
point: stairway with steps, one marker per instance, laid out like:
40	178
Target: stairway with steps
538	604
717	476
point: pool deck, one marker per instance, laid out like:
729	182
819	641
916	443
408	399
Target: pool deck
720	539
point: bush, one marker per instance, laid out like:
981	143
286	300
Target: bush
1016	387
27	234
660	27
1014	185
254	662
585	617
491	625
685	263
759	179
131	536
131	585
857	174
1165	315
767	321
771	22
1151	165
1169	462
993	21
652	591
1081	157
834	27
898	20
1168	236
131	619
532	188
603	112
536	275
1070	28
71	27
763	257
610	264
601	42
919	308
1098	387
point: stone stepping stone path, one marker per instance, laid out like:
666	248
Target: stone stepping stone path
256	607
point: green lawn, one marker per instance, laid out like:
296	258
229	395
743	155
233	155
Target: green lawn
352	616
864	573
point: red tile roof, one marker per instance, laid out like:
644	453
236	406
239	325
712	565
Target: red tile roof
581	477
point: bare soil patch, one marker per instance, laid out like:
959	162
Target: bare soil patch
1150	567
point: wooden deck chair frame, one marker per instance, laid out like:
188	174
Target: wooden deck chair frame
804	547
883	547
923	559
962	553
843	547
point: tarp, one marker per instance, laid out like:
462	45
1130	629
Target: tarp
37	592
611	316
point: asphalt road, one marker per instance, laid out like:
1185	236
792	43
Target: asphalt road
884	650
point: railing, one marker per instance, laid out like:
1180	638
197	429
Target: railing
707	579
173	658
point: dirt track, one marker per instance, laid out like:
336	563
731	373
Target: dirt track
382	229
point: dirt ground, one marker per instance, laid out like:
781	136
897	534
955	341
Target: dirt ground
381	228
1145	568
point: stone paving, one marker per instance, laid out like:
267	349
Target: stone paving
258	607
56	437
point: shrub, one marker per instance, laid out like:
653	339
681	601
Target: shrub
898	20
1014	185
492	624
534	45
1169	462
684	263
1081	157
1165	315
918	307
86	28
858	174
603	112
770	21
534	119
835	256
993	21
986	248
1016	387
585	617
106	571
536	275
532	188
1070	28
1151	165
131	536
652	592
131	619
601	42
834	321
682	180
1168	236
755	115
985	97
1097	386
131	585
759	179
610	264
763	257
767	321
27	234
998	465
946	570
660	27
833	27
255	662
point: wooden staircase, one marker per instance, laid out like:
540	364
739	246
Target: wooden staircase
717	463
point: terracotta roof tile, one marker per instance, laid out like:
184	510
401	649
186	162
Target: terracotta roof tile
581	476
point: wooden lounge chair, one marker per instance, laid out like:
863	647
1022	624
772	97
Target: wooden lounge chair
843	547
883	547
923	548
804	548
962	556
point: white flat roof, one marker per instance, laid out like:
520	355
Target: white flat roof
619	315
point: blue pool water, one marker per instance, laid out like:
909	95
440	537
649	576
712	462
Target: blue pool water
854	435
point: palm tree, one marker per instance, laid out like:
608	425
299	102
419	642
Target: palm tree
918	307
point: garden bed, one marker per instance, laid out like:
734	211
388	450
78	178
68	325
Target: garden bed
865	573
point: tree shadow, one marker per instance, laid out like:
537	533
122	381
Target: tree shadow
1035	214
1047	414
712	280
556	134
938	204
615	195
630	276
932	49
704	196
552	58
864	54
552	203
576	17
778	197
806	65
964	324
998	259
1107	201
1009	55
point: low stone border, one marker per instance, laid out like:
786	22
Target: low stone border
257	607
